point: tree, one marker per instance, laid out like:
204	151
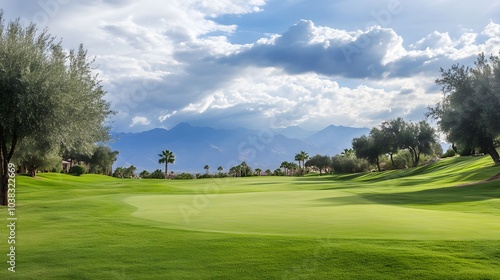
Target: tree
370	147
144	174
319	161
258	171
37	154
301	158
77	170
207	169
245	169
119	172
392	132
102	160
468	112
349	164
220	169
235	171
298	158
278	172
46	94
285	165
268	172
157	174
166	157
348	153
418	138
129	172
293	167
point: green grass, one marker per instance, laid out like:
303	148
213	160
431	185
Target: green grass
423	223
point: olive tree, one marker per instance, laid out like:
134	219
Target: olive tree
419	138
319	161
469	111
370	147
46	94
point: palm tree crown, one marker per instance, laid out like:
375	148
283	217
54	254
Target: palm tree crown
166	157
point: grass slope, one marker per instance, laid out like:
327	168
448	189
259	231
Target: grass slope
407	224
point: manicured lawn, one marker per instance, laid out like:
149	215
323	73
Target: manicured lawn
424	223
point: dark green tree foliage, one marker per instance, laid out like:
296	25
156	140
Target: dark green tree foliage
37	155
319	161
77	170
46	94
370	147
157	174
301	158
469	111
418	138
125	172
102	160
349	164
144	174
184	176
392	133
285	165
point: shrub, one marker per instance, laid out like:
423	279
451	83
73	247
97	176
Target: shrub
341	164
144	174
157	174
449	153
402	160
184	176
77	170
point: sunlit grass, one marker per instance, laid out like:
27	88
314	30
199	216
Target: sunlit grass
406	224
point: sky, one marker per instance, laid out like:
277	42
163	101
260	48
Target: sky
268	63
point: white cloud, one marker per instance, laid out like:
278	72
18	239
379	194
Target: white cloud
166	62
138	120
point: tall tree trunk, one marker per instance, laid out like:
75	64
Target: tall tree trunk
378	164
417	158
492	151
5	157
4	180
414	158
392	159
166	170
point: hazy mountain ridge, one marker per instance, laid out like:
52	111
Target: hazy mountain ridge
194	147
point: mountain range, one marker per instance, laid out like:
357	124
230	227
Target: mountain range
195	147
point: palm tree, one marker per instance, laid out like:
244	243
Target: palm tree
304	156
285	165
234	171
220	169
301	157
207	168
292	166
166	157
244	169
258	171
298	158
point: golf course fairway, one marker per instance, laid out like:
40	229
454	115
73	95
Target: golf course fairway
311	213
438	221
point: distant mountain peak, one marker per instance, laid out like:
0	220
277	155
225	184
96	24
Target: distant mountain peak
182	125
196	146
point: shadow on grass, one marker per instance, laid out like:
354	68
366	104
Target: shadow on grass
468	193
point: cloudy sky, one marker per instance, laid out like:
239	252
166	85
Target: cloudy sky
269	63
